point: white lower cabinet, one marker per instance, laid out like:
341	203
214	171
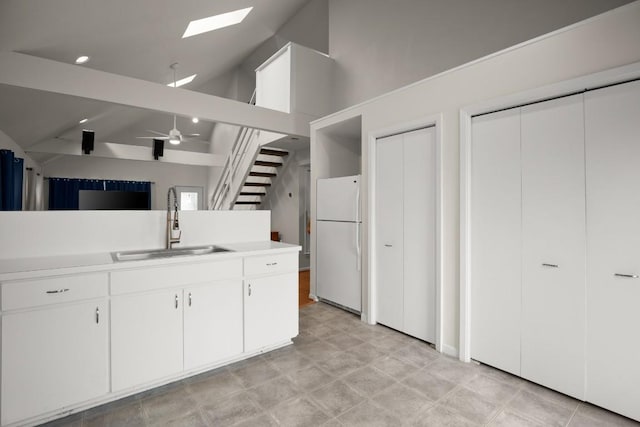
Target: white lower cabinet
270	310
212	323
146	337
53	357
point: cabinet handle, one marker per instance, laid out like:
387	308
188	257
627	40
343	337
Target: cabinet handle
189	299
388	246
176	301
627	276
249	289
97	314
550	265
272	263
58	291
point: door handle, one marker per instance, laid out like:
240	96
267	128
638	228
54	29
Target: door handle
189	299
176	301
249	289
97	314
626	276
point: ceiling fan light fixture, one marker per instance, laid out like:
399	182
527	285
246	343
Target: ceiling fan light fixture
182	82
195	120
82	59
173	140
215	22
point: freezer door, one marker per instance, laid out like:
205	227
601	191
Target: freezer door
338	199
338	263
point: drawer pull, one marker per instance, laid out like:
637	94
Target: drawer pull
97	314
550	265
271	263
386	245
58	291
628	276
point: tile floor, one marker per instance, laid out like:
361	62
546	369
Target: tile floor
342	372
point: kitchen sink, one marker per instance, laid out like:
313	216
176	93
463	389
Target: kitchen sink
166	253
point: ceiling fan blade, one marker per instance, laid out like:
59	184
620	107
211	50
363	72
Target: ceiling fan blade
153	137
195	140
189	135
157	133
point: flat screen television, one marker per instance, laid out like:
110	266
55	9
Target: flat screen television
113	200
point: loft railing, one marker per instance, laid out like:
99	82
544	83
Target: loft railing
229	175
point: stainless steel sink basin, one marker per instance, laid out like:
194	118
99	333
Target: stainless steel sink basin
166	253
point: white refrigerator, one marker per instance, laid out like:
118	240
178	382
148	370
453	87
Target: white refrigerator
338	236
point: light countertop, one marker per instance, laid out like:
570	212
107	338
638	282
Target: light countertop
21	268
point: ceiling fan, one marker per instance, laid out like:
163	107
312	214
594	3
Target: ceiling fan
174	136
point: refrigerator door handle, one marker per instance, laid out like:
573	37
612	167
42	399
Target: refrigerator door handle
358	257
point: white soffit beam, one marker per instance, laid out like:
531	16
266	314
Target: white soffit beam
18	69
113	150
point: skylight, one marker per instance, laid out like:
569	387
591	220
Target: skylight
183	82
216	22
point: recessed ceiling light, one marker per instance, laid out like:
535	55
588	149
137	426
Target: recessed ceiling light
195	120
215	22
85	120
82	59
182	82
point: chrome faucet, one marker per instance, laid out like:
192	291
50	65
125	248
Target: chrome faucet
173	226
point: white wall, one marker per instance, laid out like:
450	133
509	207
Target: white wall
381	45
604	42
164	175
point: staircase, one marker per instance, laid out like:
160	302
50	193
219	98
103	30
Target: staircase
261	176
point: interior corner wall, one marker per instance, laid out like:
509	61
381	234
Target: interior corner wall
164	175
604	42
309	26
382	45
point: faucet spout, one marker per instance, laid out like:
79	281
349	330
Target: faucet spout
173	225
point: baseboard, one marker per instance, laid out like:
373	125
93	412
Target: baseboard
449	350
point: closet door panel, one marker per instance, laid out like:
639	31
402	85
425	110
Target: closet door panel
553	235
496	240
613	229
419	233
389	232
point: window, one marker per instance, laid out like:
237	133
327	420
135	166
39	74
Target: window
189	198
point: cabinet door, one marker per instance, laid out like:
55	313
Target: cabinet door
270	310
553	233
419	223
146	338
212	322
496	240
52	358
613	229
389	232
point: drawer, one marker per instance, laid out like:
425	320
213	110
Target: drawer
268	264
175	275
53	290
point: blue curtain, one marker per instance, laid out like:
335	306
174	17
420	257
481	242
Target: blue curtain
64	192
11	179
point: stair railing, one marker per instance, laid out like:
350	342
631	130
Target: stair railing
231	165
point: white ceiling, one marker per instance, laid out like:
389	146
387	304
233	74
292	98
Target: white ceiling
139	39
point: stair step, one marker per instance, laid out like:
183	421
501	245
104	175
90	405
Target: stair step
252	193
248	203
263	174
257	184
270	152
265	163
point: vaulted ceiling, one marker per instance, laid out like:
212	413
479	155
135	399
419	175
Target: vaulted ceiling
138	39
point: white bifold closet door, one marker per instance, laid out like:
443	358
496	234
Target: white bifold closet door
553	244
406	232
613	230
496	240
